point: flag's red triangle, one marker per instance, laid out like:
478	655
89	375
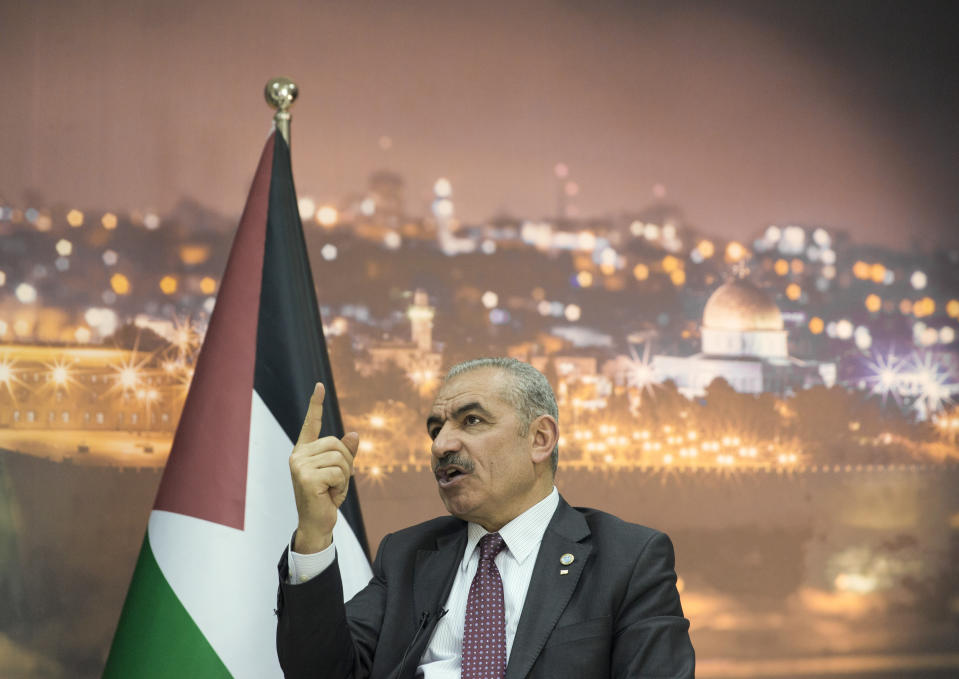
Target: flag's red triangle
205	476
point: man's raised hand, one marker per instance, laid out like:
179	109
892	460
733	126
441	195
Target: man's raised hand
321	470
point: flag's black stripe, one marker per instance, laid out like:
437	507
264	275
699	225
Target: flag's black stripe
291	354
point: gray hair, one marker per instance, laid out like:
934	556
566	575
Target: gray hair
529	392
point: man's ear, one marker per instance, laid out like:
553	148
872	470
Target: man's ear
544	434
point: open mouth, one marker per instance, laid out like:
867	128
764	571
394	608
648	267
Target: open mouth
448	476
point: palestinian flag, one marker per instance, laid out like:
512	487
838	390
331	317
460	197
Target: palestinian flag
203	592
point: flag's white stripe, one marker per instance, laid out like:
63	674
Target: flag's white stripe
226	578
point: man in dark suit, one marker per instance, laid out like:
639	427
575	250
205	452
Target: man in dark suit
516	583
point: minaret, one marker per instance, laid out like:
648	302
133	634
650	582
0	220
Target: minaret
421	321
443	213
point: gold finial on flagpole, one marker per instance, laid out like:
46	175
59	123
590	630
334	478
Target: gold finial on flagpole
280	93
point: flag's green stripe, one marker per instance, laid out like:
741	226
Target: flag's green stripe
156	638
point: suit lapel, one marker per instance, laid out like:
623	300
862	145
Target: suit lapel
549	590
434	571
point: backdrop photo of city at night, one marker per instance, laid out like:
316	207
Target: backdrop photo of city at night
740	276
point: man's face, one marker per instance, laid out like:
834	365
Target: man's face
483	466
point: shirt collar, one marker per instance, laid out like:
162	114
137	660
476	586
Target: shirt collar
522	535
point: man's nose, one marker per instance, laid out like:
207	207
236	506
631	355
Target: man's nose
446	441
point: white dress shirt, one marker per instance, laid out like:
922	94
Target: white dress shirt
523	536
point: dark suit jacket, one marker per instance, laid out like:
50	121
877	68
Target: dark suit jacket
616	613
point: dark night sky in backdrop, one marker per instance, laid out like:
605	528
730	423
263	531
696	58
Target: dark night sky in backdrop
749	113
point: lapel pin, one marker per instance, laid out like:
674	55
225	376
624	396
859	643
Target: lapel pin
566	559
564	571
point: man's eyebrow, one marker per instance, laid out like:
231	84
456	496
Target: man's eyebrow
462	410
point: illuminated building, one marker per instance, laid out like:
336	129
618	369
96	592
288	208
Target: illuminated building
86	389
743	342
417	357
421	321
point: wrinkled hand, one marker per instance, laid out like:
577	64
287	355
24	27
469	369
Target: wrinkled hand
321	470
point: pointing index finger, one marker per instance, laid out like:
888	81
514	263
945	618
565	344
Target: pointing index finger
313	421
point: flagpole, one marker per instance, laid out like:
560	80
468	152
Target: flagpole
280	94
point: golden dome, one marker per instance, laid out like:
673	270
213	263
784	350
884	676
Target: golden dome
739	305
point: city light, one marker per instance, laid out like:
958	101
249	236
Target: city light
128	378
194	254
640	374
75	218
103	320
822	238
168	285
781	267
328	215
109	221
120	284
924	382
184	337
64	247
670	263
489	299
393	241
793	240
924	307
844	329
207	285
816	325
306	207
26	293
328	252
873	303
443	188
641	272
443	208
7	374
735	251
927	336
60	373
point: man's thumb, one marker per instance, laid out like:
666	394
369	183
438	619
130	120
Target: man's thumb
352	442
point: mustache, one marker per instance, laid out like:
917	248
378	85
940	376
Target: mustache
456	460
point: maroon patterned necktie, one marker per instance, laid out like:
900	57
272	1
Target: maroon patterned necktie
484	635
